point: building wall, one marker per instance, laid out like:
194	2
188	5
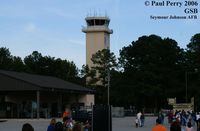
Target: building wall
52	104
96	41
19	99
87	99
26	104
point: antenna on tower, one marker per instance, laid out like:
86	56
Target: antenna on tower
95	13
90	13
99	12
106	14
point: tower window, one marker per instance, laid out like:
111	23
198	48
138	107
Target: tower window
98	22
90	22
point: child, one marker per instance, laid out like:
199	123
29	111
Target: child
136	122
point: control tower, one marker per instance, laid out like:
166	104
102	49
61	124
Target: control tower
97	36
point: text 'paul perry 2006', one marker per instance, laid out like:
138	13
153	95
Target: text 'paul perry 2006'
173	3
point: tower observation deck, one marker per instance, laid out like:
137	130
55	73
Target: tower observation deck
97	24
97	36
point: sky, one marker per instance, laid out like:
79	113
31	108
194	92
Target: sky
53	27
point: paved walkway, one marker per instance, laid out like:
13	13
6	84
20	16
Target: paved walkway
119	124
128	124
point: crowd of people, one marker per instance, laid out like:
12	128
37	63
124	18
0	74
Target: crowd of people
175	126
178	120
186	119
67	124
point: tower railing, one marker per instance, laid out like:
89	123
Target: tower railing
96	28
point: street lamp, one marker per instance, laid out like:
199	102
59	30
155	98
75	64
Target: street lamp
108	88
108	102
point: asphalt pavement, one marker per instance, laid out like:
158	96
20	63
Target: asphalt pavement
118	124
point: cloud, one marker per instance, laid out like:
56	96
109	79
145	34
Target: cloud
30	28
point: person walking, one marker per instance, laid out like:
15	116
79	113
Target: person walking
136	122
139	118
142	120
161	116
159	126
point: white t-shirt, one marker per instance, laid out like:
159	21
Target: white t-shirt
139	115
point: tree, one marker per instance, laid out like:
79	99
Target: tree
17	64
193	68
65	69
32	62
151	66
46	65
5	59
37	64
88	76
104	61
193	52
9	62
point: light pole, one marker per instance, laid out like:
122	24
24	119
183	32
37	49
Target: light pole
108	102
108	88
